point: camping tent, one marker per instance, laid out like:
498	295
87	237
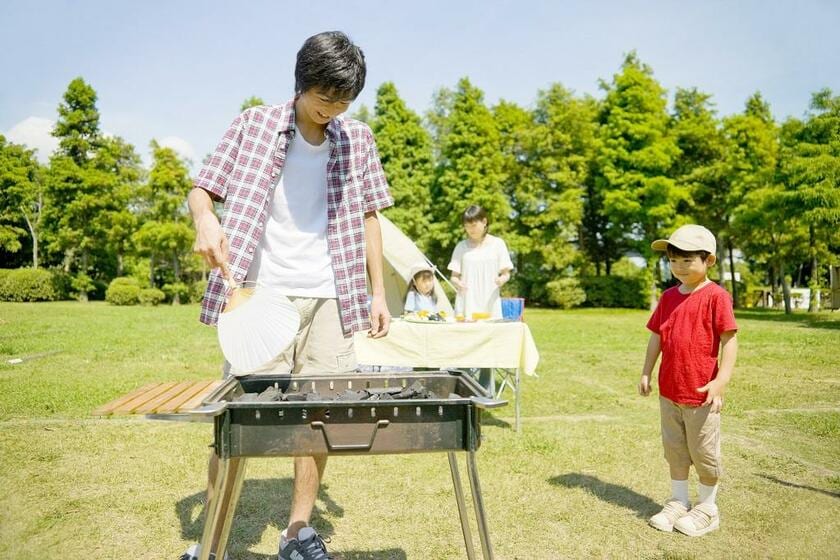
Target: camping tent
399	255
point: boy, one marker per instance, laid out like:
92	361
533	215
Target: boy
690	323
301	188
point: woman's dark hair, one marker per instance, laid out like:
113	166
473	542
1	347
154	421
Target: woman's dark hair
474	213
413	287
673	251
331	62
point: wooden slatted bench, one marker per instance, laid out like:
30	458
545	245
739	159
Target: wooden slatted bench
160	398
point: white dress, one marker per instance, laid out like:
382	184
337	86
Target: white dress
479	267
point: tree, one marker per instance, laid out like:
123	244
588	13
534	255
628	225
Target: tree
469	171
751	165
89	183
702	164
77	128
405	149
363	113
546	155
633	189
21	198
165	236
810	162
252	101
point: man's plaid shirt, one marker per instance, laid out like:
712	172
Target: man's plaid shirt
243	172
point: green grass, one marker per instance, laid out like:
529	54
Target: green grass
578	482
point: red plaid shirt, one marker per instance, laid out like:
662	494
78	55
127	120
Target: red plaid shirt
245	169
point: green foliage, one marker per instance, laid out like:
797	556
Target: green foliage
405	149
123	291
89	189
469	171
151	296
363	113
632	188
617	291
252	101
177	292
21	198
565	293
77	128
27	284
197	290
546	162
82	285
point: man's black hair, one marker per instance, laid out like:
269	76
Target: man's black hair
673	251
331	62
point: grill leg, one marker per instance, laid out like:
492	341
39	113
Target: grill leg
478	501
220	508
462	506
233	488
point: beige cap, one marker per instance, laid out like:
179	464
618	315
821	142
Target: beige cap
689	237
418	267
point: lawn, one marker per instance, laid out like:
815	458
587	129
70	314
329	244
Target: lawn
578	482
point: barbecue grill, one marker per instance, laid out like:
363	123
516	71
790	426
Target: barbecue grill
246	426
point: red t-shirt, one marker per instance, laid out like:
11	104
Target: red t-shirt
690	326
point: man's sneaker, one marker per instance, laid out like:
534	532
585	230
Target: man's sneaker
308	546
700	520
193	552
665	519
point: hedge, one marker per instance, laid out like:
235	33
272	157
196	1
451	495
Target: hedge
151	296
123	291
617	291
29	284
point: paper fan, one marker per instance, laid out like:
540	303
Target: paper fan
256	327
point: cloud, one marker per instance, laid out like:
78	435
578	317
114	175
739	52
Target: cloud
35	133
184	148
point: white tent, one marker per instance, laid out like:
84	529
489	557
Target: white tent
399	255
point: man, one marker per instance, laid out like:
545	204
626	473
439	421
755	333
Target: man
301	187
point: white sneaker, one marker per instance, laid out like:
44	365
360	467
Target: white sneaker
702	519
665	519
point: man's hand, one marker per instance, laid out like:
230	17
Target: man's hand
380	318
210	241
714	395
644	385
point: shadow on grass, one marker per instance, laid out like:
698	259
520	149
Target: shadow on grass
263	503
608	492
816	321
488	419
800	486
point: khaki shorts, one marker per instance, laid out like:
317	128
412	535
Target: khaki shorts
319	347
691	436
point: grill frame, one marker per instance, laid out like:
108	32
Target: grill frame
247	429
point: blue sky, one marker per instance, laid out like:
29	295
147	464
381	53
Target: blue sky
177	71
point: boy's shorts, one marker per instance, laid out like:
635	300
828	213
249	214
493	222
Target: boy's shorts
691	436
319	347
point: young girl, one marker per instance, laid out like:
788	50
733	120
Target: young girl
421	290
480	266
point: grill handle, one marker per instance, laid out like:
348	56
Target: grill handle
318	425
486	402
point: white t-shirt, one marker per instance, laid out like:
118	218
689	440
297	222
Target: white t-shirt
293	254
479	267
